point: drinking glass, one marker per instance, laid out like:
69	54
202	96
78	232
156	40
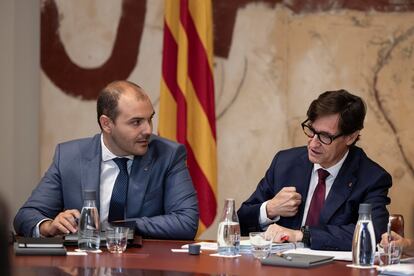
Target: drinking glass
390	254
116	238
261	244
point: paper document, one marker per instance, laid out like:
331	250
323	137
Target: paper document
397	269
338	255
246	247
204	245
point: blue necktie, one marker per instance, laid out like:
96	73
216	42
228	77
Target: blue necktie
119	192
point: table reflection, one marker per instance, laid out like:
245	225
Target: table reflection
93	271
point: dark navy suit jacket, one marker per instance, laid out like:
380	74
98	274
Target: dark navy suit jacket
161	200
360	180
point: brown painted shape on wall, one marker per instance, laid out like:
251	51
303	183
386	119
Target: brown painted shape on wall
224	13
84	82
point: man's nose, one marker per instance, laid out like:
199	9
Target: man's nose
147	127
314	140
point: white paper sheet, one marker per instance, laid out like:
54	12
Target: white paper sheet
338	255
204	245
397	269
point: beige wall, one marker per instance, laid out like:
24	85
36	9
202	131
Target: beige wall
278	62
19	105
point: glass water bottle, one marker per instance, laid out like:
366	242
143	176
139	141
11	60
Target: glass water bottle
363	244
228	234
89	228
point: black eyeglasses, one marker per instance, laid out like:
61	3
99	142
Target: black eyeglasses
323	137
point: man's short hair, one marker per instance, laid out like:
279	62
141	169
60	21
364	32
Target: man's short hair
351	110
107	103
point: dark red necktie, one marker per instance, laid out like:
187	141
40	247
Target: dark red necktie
318	199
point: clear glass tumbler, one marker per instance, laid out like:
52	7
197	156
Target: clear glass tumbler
261	244
116	238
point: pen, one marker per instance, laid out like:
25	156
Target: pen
284	256
284	238
389	240
389	230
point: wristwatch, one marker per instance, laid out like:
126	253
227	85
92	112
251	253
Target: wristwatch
306	239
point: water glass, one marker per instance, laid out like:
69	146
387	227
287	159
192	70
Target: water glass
390	255
261	244
116	238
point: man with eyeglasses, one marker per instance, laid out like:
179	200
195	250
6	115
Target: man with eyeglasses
312	194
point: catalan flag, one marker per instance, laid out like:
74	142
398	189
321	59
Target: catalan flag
187	113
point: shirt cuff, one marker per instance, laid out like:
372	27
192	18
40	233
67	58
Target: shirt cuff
36	230
264	221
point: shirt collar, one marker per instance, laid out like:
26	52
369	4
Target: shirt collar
333	170
108	155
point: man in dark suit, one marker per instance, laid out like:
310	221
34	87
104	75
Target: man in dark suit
312	193
159	199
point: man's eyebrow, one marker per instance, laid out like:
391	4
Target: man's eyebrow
142	118
321	132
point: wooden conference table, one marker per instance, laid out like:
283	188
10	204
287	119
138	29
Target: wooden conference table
156	258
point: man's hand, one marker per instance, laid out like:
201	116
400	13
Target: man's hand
64	223
281	234
407	244
285	203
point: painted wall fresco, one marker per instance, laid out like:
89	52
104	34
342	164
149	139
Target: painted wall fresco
272	58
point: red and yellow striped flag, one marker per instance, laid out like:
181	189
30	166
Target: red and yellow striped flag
187	113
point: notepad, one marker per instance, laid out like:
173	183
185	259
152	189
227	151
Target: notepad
297	260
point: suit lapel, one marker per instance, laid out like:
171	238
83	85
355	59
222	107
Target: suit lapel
342	186
91	167
138	182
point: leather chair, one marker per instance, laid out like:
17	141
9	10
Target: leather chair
397	224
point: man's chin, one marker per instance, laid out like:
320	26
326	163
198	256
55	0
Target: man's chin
312	159
141	150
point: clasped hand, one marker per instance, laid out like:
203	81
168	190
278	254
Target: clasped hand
285	203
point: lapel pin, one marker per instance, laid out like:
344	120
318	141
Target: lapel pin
146	169
350	184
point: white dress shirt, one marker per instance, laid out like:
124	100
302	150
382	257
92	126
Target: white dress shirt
264	221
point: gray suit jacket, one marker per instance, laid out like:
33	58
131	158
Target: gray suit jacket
161	201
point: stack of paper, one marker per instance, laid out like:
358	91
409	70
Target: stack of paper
338	255
246	247
397	269
204	245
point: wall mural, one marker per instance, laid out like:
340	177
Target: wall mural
271	59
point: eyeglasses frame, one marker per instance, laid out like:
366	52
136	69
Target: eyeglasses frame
331	137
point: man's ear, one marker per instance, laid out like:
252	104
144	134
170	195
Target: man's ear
352	137
106	123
